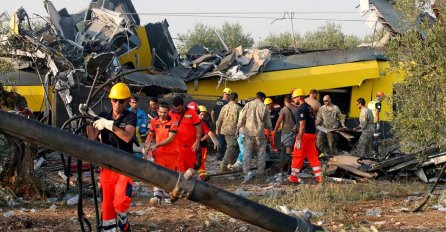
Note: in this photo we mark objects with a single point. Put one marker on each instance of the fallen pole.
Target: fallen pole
(432, 190)
(123, 162)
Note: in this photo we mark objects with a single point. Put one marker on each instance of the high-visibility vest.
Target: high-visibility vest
(373, 105)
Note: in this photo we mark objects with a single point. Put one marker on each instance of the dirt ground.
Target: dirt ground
(190, 216)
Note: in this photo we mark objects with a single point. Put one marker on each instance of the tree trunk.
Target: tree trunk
(17, 159)
(18, 169)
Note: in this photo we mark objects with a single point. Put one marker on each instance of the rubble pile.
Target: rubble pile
(424, 164)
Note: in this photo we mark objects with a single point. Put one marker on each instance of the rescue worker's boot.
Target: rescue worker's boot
(318, 174)
(294, 177)
(123, 222)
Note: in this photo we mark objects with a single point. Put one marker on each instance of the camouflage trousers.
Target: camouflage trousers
(231, 151)
(250, 142)
(364, 147)
(326, 142)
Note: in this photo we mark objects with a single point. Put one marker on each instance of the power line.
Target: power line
(255, 17)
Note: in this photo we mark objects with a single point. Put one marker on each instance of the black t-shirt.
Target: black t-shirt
(108, 137)
(217, 107)
(274, 114)
(306, 112)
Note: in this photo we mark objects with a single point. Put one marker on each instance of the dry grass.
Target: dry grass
(331, 199)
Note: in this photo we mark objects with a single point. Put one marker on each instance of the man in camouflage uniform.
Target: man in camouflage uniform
(254, 118)
(227, 126)
(330, 117)
(366, 126)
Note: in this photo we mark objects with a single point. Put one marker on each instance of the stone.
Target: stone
(232, 220)
(53, 207)
(139, 213)
(52, 199)
(33, 210)
(380, 223)
(242, 193)
(73, 201)
(9, 214)
(436, 207)
(411, 198)
(243, 228)
(376, 212)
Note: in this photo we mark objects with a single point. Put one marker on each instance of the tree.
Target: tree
(281, 40)
(328, 36)
(420, 56)
(232, 34)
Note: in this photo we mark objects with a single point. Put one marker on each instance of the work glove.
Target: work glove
(297, 144)
(103, 123)
(83, 109)
(216, 144)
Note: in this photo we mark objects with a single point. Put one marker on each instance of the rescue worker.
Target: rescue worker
(153, 109)
(274, 115)
(141, 119)
(164, 150)
(205, 118)
(364, 147)
(117, 128)
(330, 117)
(287, 121)
(202, 153)
(254, 117)
(214, 116)
(305, 145)
(227, 125)
(312, 100)
(188, 135)
(375, 106)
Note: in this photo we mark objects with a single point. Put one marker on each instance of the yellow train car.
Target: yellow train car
(360, 76)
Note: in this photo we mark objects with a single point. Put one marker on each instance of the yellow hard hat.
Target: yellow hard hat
(267, 101)
(119, 91)
(298, 93)
(227, 91)
(202, 108)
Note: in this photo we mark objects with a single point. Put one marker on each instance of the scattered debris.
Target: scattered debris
(376, 212)
(341, 180)
(9, 214)
(73, 201)
(38, 163)
(379, 223)
(243, 228)
(242, 193)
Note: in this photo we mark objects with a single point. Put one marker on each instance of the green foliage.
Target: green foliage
(328, 36)
(232, 34)
(420, 118)
(282, 40)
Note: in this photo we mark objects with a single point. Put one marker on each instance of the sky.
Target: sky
(256, 17)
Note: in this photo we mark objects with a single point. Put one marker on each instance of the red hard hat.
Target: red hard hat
(193, 106)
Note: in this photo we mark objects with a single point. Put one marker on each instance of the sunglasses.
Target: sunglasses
(121, 101)
(325, 100)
